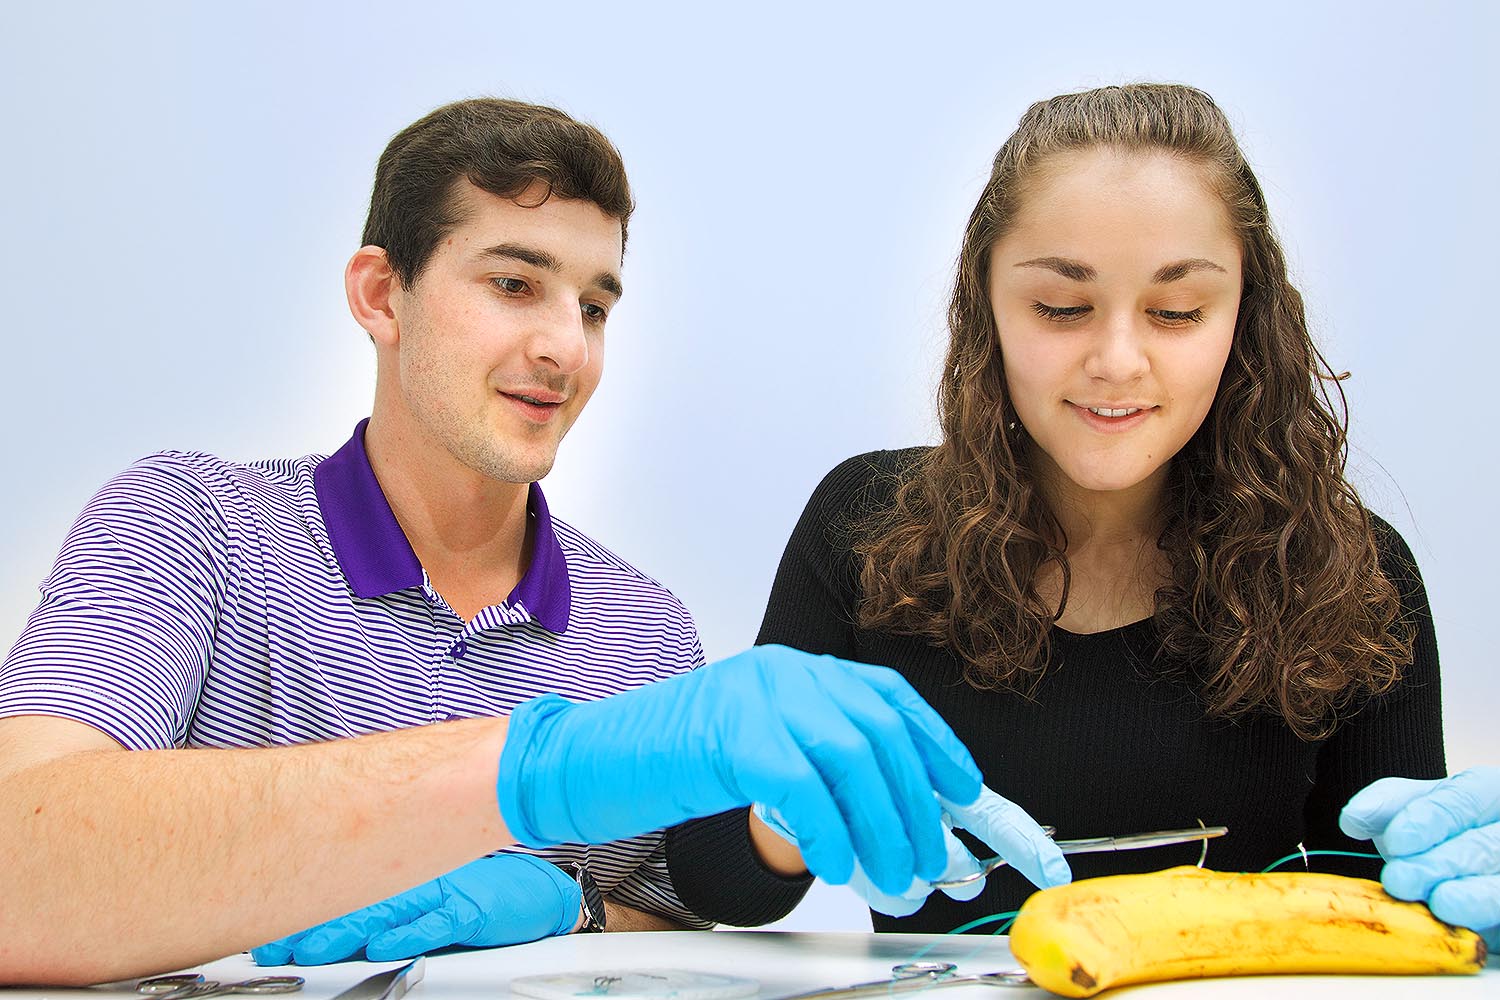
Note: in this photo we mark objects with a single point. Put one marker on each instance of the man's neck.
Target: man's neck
(471, 533)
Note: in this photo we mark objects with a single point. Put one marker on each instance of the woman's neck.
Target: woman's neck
(1114, 565)
(1101, 520)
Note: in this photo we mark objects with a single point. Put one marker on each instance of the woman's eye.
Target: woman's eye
(1059, 312)
(1176, 317)
(510, 286)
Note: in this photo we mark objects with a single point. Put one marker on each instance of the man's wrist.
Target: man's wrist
(591, 913)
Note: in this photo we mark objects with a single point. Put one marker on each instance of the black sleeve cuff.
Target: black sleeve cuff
(718, 876)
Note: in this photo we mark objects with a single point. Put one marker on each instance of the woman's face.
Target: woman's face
(1115, 296)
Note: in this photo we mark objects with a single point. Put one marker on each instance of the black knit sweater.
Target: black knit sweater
(1113, 741)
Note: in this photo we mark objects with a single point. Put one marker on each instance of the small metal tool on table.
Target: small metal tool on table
(388, 984)
(911, 976)
(193, 985)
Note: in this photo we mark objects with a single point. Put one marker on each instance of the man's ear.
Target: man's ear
(372, 287)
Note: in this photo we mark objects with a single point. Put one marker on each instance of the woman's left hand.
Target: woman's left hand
(1441, 843)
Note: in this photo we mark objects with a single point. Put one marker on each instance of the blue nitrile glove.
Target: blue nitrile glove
(996, 821)
(1441, 842)
(848, 753)
(504, 899)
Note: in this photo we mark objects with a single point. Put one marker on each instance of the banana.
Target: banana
(1184, 923)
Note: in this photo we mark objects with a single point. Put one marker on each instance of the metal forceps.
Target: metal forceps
(910, 976)
(181, 987)
(1095, 845)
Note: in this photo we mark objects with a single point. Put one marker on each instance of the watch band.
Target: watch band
(593, 900)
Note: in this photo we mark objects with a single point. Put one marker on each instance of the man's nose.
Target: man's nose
(559, 339)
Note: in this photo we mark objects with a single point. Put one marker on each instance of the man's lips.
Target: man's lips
(539, 408)
(537, 397)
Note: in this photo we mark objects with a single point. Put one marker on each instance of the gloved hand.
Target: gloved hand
(848, 753)
(998, 822)
(1441, 842)
(504, 899)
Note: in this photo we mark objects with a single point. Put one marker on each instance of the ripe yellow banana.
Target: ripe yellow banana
(1185, 923)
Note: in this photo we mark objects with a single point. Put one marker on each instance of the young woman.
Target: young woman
(1132, 576)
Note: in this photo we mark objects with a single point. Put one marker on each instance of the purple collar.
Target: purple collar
(376, 558)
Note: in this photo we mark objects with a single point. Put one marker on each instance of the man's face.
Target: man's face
(1115, 297)
(501, 337)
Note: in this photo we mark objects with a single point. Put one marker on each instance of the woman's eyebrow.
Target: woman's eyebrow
(1183, 268)
(1077, 270)
(1074, 270)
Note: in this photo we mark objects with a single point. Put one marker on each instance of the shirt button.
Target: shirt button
(459, 649)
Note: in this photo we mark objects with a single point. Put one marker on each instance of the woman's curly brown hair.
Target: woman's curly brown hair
(1275, 578)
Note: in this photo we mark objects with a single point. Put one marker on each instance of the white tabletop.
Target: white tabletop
(784, 963)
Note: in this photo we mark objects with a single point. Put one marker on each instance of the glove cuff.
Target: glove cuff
(530, 773)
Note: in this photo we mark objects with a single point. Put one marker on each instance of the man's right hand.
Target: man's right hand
(849, 754)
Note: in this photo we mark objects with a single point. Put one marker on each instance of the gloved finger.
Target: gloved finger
(1465, 801)
(1014, 836)
(786, 781)
(324, 944)
(429, 932)
(1472, 902)
(960, 864)
(845, 759)
(1415, 876)
(342, 937)
(883, 902)
(278, 952)
(897, 758)
(950, 767)
(1372, 808)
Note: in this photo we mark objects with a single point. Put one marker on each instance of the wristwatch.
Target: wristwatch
(593, 902)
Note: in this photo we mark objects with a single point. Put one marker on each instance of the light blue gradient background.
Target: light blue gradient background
(182, 184)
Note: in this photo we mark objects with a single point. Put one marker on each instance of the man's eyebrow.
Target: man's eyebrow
(536, 257)
(1183, 268)
(610, 283)
(1071, 269)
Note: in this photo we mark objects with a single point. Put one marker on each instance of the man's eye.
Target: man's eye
(594, 313)
(1059, 312)
(510, 286)
(1176, 317)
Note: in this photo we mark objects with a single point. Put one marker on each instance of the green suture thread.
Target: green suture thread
(1003, 919)
(1308, 854)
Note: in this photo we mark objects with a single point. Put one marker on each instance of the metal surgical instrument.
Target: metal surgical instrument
(183, 987)
(1095, 845)
(910, 976)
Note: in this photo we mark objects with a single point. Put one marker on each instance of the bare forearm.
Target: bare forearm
(123, 863)
(619, 917)
(776, 854)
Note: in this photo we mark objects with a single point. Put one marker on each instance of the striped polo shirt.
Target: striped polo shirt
(198, 602)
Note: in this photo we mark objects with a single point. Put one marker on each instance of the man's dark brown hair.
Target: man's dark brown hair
(500, 146)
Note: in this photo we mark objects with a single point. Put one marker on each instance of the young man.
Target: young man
(416, 575)
(335, 674)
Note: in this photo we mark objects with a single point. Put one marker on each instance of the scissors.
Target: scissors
(1094, 845)
(192, 984)
(915, 976)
